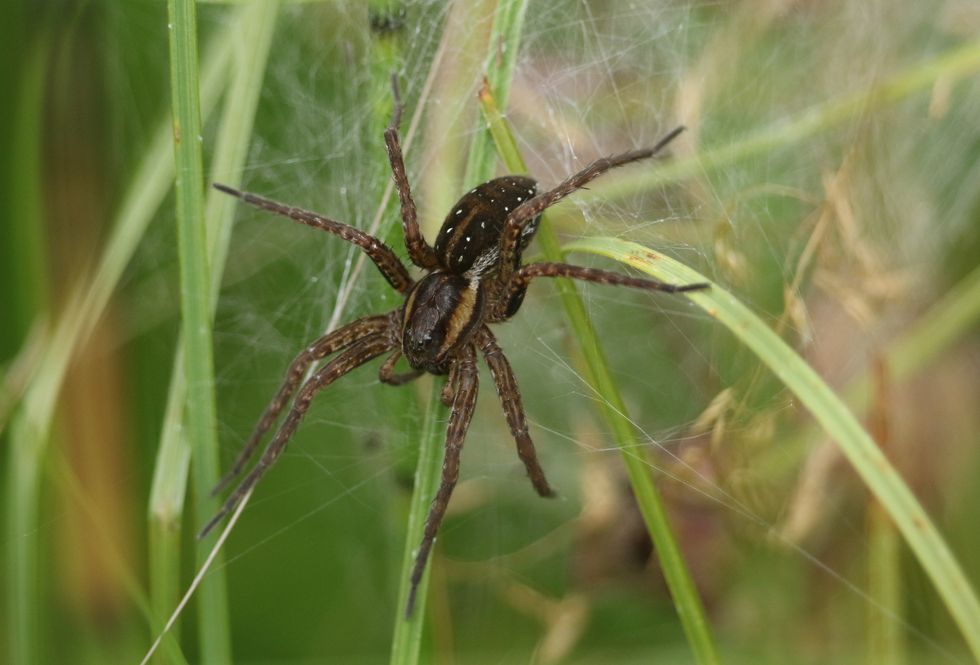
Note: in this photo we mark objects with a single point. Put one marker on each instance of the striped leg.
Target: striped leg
(464, 403)
(355, 356)
(510, 399)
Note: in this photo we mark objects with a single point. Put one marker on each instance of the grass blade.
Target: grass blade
(614, 412)
(31, 423)
(27, 263)
(195, 299)
(884, 562)
(498, 67)
(250, 41)
(407, 638)
(837, 421)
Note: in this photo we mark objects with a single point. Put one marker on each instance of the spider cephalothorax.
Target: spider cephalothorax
(474, 278)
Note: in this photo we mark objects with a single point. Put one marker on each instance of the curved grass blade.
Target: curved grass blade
(614, 412)
(836, 419)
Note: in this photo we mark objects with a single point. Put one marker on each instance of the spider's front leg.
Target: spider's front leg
(419, 251)
(516, 221)
(382, 255)
(464, 402)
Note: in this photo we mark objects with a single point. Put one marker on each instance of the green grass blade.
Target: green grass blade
(614, 412)
(498, 67)
(250, 42)
(251, 48)
(837, 421)
(25, 261)
(31, 424)
(407, 638)
(885, 644)
(195, 299)
(884, 566)
(25, 242)
(387, 55)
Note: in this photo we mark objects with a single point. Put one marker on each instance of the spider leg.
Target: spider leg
(464, 402)
(387, 372)
(330, 343)
(355, 356)
(510, 237)
(449, 387)
(525, 274)
(382, 255)
(419, 251)
(510, 398)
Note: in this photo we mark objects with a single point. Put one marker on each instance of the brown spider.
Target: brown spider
(474, 277)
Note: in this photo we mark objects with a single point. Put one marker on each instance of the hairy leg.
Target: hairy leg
(330, 343)
(510, 399)
(419, 251)
(520, 280)
(523, 214)
(464, 403)
(355, 356)
(382, 255)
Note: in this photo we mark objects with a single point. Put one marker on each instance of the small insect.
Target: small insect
(474, 277)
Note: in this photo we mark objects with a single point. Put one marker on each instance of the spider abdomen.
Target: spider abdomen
(441, 312)
(469, 240)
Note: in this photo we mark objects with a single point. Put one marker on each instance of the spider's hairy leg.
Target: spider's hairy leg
(330, 343)
(510, 237)
(464, 403)
(448, 391)
(526, 273)
(419, 251)
(355, 356)
(387, 372)
(382, 255)
(510, 399)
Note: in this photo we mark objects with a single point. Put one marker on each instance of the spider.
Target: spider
(474, 277)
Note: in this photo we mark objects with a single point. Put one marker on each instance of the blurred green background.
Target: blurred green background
(832, 183)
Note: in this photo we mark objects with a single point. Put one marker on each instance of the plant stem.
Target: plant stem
(407, 639)
(613, 411)
(195, 297)
(255, 24)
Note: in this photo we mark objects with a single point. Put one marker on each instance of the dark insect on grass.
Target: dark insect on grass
(474, 277)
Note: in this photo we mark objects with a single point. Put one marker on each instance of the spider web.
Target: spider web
(591, 79)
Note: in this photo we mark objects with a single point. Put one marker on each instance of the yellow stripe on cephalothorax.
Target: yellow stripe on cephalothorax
(462, 317)
(409, 305)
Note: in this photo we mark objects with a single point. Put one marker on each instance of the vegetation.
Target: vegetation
(801, 441)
